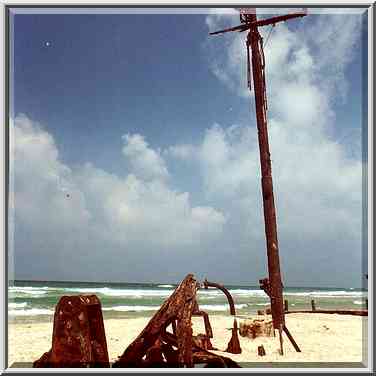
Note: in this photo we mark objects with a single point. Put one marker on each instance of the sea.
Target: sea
(36, 300)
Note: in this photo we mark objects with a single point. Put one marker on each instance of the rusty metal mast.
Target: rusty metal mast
(272, 286)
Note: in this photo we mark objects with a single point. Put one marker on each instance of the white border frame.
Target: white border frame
(209, 4)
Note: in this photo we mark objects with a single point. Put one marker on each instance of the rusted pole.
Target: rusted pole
(313, 305)
(272, 286)
(286, 305)
(254, 40)
(289, 336)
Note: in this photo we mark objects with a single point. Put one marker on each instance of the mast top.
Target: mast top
(249, 21)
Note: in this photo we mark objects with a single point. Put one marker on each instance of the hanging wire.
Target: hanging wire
(270, 32)
(249, 82)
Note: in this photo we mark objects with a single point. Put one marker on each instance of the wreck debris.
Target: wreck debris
(78, 338)
(154, 355)
(261, 350)
(208, 284)
(263, 312)
(256, 328)
(234, 344)
(202, 340)
(155, 346)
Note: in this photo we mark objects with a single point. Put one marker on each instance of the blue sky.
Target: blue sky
(144, 121)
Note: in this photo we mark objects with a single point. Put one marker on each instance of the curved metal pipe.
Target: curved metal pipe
(208, 284)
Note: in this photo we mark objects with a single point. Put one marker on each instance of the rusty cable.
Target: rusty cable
(249, 82)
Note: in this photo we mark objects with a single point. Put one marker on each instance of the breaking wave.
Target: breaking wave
(358, 302)
(131, 308)
(220, 307)
(17, 305)
(165, 286)
(328, 294)
(29, 290)
(30, 312)
(134, 293)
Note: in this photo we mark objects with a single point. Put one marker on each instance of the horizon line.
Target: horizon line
(176, 283)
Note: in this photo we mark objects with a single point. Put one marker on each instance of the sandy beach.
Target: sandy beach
(321, 337)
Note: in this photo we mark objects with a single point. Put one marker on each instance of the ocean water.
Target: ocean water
(31, 300)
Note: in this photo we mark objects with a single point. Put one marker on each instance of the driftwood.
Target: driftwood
(179, 347)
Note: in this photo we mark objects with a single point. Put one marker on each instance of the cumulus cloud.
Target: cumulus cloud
(145, 162)
(64, 214)
(181, 151)
(313, 178)
(134, 211)
(318, 186)
(288, 53)
(41, 182)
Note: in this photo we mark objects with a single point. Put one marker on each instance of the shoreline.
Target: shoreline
(322, 338)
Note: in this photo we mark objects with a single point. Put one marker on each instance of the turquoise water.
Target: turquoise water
(30, 300)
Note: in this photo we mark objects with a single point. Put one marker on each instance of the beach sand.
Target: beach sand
(321, 337)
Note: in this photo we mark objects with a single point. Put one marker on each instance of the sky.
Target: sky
(134, 153)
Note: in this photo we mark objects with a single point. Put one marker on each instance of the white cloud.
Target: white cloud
(302, 70)
(182, 151)
(226, 161)
(41, 182)
(63, 214)
(318, 188)
(332, 39)
(145, 162)
(219, 15)
(148, 212)
(335, 39)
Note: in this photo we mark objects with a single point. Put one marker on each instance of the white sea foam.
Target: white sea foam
(28, 290)
(134, 293)
(328, 294)
(30, 312)
(131, 308)
(210, 292)
(234, 292)
(165, 286)
(358, 302)
(17, 305)
(220, 307)
(245, 292)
